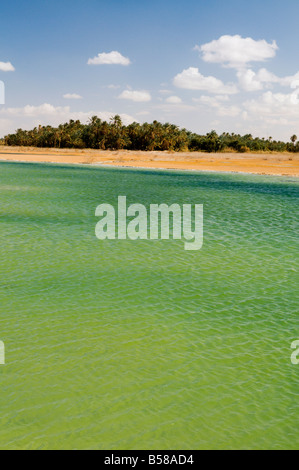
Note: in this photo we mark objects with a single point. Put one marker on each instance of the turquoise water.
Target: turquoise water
(142, 345)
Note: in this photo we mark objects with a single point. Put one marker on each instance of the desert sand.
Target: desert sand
(257, 163)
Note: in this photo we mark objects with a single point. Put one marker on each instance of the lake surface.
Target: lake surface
(141, 344)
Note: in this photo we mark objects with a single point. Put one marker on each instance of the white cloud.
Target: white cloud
(111, 58)
(237, 52)
(192, 79)
(72, 96)
(173, 100)
(137, 96)
(6, 67)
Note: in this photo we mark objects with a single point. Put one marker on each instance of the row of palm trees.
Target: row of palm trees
(98, 134)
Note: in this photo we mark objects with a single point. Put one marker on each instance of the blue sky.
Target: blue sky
(45, 47)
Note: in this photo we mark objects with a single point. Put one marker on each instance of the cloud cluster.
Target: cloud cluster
(219, 103)
(274, 100)
(32, 116)
(110, 58)
(272, 107)
(45, 109)
(255, 81)
(237, 53)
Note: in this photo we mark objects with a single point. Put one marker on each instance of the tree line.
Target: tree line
(114, 135)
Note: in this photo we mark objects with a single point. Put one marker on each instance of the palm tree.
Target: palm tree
(294, 139)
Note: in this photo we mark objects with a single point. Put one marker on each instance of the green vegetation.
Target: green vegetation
(113, 135)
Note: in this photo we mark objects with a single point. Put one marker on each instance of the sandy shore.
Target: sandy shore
(266, 164)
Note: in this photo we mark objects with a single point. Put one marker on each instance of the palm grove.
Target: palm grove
(98, 134)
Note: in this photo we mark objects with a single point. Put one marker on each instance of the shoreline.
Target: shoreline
(127, 167)
(259, 164)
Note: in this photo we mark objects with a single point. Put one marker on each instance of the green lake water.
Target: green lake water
(141, 344)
